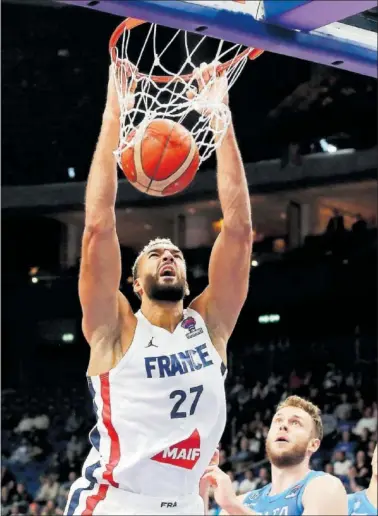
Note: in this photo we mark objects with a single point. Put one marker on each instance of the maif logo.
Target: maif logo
(184, 454)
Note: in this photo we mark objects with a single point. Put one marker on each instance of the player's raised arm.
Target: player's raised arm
(100, 270)
(230, 259)
(224, 494)
(325, 495)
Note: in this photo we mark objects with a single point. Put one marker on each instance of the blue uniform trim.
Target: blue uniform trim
(75, 499)
(94, 434)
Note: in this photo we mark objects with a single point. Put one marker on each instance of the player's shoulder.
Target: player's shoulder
(323, 482)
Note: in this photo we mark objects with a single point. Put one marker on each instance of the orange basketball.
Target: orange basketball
(164, 159)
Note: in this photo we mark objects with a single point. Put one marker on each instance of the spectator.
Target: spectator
(346, 445)
(360, 226)
(17, 509)
(295, 381)
(343, 410)
(264, 478)
(341, 464)
(33, 509)
(71, 479)
(362, 465)
(363, 441)
(329, 422)
(41, 422)
(49, 489)
(249, 482)
(21, 495)
(368, 421)
(5, 497)
(50, 509)
(25, 426)
(244, 454)
(73, 423)
(329, 468)
(23, 454)
(74, 449)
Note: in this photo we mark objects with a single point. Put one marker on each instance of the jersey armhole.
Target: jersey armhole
(214, 351)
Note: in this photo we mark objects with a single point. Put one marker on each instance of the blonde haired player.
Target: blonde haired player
(364, 503)
(294, 436)
(157, 376)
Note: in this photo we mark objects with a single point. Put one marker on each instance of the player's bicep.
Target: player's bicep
(100, 275)
(333, 499)
(229, 270)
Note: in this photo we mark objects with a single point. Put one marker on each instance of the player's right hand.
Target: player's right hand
(121, 85)
(223, 490)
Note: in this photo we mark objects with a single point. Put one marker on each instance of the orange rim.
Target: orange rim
(132, 23)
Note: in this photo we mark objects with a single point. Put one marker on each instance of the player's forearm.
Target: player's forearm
(232, 185)
(102, 181)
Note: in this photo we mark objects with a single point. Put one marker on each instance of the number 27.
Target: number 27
(175, 414)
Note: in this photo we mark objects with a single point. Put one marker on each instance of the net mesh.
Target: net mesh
(204, 113)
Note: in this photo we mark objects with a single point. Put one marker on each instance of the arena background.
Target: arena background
(308, 137)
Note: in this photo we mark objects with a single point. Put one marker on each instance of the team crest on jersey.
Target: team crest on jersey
(294, 491)
(189, 324)
(356, 506)
(253, 496)
(184, 454)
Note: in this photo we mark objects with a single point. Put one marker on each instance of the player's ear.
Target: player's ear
(137, 287)
(313, 445)
(187, 291)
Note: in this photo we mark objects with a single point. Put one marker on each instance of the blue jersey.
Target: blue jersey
(289, 502)
(358, 503)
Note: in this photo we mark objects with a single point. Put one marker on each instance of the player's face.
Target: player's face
(162, 274)
(374, 462)
(290, 438)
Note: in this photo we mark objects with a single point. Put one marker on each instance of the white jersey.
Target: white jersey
(160, 412)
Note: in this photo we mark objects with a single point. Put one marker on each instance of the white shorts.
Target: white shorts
(102, 499)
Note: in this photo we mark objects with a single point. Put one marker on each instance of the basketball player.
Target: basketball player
(156, 376)
(295, 434)
(364, 502)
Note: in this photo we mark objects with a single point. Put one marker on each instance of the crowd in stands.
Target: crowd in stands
(45, 433)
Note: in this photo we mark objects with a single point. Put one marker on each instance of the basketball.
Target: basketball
(164, 159)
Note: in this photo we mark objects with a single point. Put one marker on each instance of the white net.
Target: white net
(157, 52)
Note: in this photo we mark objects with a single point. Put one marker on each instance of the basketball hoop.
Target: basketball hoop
(161, 92)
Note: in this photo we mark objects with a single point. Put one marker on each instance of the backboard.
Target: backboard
(306, 29)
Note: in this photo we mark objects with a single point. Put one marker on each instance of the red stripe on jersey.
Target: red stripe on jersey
(93, 500)
(115, 449)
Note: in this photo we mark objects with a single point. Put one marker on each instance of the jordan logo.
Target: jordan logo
(151, 344)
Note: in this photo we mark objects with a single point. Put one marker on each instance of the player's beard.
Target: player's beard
(286, 458)
(164, 292)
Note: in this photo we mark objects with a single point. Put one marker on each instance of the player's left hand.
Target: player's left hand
(223, 490)
(212, 88)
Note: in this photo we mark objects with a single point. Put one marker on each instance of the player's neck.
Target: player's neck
(372, 491)
(164, 315)
(284, 478)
